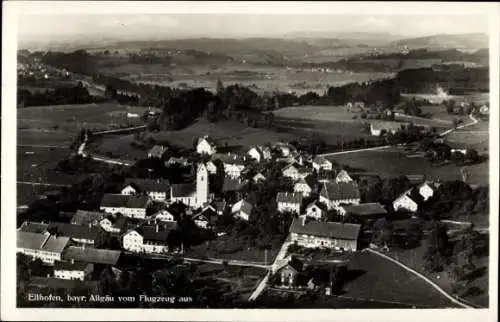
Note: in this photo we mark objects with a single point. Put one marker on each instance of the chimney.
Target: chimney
(157, 227)
(72, 261)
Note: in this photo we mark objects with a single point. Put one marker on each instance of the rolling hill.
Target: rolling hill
(464, 41)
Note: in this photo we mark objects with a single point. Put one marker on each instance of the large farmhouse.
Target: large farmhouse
(333, 194)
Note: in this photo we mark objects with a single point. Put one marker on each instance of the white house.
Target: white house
(73, 270)
(321, 163)
(316, 210)
(290, 171)
(289, 202)
(426, 190)
(381, 127)
(234, 164)
(147, 239)
(283, 149)
(206, 146)
(302, 187)
(133, 206)
(405, 203)
(484, 110)
(242, 210)
(337, 193)
(164, 215)
(192, 195)
(44, 246)
(113, 224)
(255, 154)
(259, 177)
(265, 152)
(129, 190)
(157, 151)
(156, 189)
(343, 176)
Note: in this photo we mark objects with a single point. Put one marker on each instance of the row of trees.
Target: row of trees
(62, 95)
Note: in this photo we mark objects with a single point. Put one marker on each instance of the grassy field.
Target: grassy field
(237, 282)
(413, 258)
(475, 136)
(378, 279)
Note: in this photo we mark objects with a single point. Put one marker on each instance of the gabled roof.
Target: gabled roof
(320, 160)
(405, 194)
(242, 206)
(157, 150)
(340, 190)
(84, 217)
(302, 181)
(326, 229)
(289, 197)
(230, 158)
(289, 166)
(365, 209)
(207, 213)
(33, 227)
(183, 190)
(149, 185)
(92, 255)
(126, 201)
(77, 231)
(318, 204)
(149, 233)
(117, 221)
(209, 140)
(70, 266)
(44, 242)
(343, 176)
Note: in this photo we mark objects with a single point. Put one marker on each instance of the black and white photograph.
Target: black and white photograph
(313, 156)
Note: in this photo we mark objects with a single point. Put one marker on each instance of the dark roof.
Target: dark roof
(33, 227)
(126, 201)
(230, 158)
(70, 266)
(289, 197)
(207, 213)
(117, 221)
(326, 229)
(231, 184)
(365, 209)
(183, 190)
(92, 255)
(219, 205)
(77, 231)
(210, 140)
(58, 283)
(320, 205)
(44, 242)
(320, 160)
(149, 185)
(83, 217)
(149, 233)
(340, 191)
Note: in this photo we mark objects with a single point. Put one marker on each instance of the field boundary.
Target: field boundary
(411, 270)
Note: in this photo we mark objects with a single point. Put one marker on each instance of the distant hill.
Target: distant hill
(464, 41)
(346, 38)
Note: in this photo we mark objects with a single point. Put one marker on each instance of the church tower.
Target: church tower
(201, 185)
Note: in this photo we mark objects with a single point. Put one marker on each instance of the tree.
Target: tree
(382, 232)
(220, 87)
(413, 233)
(437, 247)
(472, 156)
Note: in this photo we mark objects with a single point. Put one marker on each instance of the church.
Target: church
(192, 195)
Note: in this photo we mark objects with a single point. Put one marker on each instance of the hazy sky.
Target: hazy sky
(38, 24)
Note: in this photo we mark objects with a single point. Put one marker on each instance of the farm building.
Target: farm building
(316, 210)
(81, 234)
(259, 177)
(73, 270)
(164, 215)
(234, 164)
(379, 128)
(302, 187)
(333, 194)
(148, 239)
(156, 189)
(289, 202)
(320, 163)
(242, 210)
(157, 151)
(343, 176)
(92, 255)
(325, 234)
(289, 272)
(133, 206)
(364, 210)
(113, 223)
(44, 246)
(206, 218)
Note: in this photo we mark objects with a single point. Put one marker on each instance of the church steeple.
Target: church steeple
(201, 184)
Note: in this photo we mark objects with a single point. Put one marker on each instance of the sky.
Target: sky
(50, 25)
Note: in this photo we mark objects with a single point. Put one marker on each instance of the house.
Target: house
(92, 255)
(426, 190)
(206, 145)
(289, 272)
(320, 163)
(133, 206)
(255, 154)
(234, 164)
(206, 218)
(333, 194)
(283, 149)
(164, 215)
(291, 171)
(302, 187)
(265, 152)
(343, 176)
(316, 210)
(385, 127)
(242, 210)
(182, 161)
(33, 227)
(211, 168)
(148, 239)
(219, 207)
(157, 151)
(364, 210)
(81, 234)
(114, 223)
(484, 110)
(334, 235)
(259, 177)
(405, 203)
(73, 270)
(289, 202)
(156, 189)
(233, 184)
(84, 217)
(192, 195)
(44, 246)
